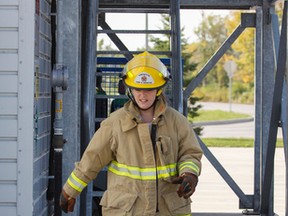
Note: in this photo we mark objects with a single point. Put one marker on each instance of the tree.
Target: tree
(163, 44)
(210, 34)
(243, 54)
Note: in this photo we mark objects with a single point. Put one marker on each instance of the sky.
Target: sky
(189, 19)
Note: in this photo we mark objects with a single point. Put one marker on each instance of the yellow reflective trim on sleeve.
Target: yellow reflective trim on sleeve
(78, 180)
(76, 183)
(74, 186)
(167, 171)
(142, 173)
(190, 165)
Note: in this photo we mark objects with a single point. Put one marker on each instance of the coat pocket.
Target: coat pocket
(177, 205)
(113, 199)
(167, 157)
(165, 149)
(164, 145)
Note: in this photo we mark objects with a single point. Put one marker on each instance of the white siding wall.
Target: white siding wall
(8, 105)
(25, 121)
(16, 106)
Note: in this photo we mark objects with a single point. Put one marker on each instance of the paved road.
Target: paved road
(213, 195)
(244, 129)
(239, 108)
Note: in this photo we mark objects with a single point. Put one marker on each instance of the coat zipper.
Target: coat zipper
(153, 139)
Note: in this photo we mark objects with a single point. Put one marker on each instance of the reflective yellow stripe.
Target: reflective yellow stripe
(189, 165)
(76, 183)
(167, 171)
(142, 173)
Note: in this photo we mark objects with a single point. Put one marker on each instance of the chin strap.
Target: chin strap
(159, 92)
(131, 97)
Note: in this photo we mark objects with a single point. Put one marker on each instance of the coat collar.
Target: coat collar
(133, 116)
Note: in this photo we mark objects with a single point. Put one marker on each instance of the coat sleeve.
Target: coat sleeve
(190, 152)
(96, 156)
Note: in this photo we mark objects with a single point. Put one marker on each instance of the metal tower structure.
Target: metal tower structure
(270, 88)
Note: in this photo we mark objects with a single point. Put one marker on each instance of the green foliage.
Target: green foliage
(163, 44)
(188, 66)
(243, 50)
(216, 115)
(211, 33)
(212, 93)
(101, 46)
(193, 112)
(242, 92)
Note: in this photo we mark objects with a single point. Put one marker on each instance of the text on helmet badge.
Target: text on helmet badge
(144, 78)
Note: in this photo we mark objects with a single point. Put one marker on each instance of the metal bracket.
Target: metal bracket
(248, 20)
(247, 205)
(60, 77)
(248, 212)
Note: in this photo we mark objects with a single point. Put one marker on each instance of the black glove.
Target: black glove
(188, 183)
(66, 203)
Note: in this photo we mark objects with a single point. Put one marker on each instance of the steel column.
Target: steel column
(58, 82)
(284, 122)
(258, 108)
(71, 100)
(268, 73)
(88, 90)
(176, 63)
(267, 189)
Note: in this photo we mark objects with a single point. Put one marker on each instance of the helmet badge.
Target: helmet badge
(144, 78)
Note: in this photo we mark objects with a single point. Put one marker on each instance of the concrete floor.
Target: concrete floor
(216, 214)
(213, 197)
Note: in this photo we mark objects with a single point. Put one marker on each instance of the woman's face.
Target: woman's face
(144, 98)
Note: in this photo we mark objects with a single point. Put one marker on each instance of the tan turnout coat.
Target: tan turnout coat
(139, 177)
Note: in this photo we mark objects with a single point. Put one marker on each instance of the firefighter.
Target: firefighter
(150, 150)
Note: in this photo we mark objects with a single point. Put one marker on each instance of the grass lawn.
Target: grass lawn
(232, 142)
(214, 115)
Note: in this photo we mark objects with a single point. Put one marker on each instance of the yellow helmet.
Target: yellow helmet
(145, 71)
